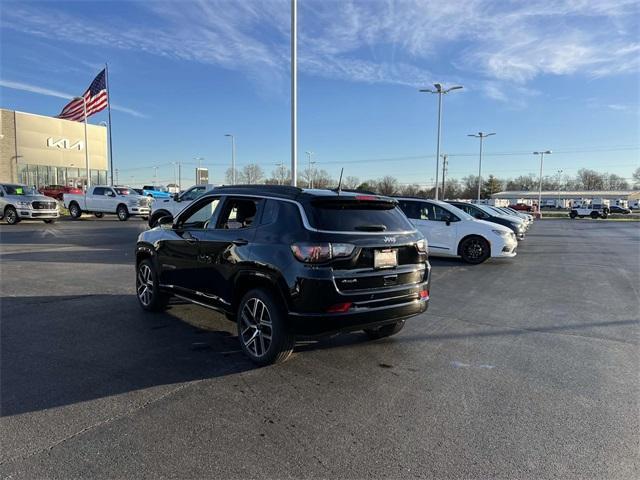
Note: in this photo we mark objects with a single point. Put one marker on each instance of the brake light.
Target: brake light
(339, 308)
(321, 252)
(366, 198)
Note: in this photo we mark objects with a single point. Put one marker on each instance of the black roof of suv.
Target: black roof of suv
(282, 261)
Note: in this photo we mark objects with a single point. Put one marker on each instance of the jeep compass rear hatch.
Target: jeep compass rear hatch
(387, 251)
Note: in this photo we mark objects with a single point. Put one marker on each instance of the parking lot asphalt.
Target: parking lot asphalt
(521, 368)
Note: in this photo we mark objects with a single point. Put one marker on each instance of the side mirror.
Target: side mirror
(447, 220)
(166, 220)
(176, 197)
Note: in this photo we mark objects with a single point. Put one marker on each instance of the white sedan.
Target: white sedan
(451, 232)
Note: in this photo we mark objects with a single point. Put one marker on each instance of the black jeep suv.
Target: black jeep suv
(282, 261)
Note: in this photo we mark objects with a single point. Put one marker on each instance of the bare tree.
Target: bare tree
(590, 179)
(280, 175)
(228, 176)
(252, 174)
(388, 185)
(636, 178)
(350, 182)
(616, 182)
(322, 179)
(412, 190)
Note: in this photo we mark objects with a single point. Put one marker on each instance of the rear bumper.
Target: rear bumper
(326, 323)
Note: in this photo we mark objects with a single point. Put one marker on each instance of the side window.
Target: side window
(270, 212)
(410, 209)
(192, 194)
(98, 191)
(442, 215)
(202, 215)
(238, 213)
(426, 211)
(109, 192)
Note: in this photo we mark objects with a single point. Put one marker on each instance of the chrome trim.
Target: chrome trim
(205, 305)
(360, 310)
(305, 220)
(195, 292)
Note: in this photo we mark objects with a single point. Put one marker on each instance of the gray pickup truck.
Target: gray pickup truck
(19, 202)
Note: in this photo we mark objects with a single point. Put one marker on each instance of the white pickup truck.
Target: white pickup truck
(102, 199)
(169, 207)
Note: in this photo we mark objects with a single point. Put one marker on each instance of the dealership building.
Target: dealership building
(38, 150)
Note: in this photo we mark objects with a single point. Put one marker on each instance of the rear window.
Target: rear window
(356, 216)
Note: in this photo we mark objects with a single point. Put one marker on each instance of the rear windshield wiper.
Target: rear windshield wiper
(370, 228)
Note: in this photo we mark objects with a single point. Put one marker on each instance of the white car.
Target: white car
(103, 199)
(170, 207)
(451, 232)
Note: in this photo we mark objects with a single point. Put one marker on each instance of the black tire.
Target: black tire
(74, 210)
(385, 330)
(604, 215)
(148, 292)
(594, 215)
(99, 214)
(123, 213)
(50, 220)
(262, 331)
(573, 215)
(11, 215)
(474, 250)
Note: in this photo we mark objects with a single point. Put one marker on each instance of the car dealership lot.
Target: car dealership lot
(523, 367)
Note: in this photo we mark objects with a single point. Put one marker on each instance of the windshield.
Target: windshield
(488, 209)
(18, 190)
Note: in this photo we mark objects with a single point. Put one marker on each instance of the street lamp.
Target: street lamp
(86, 142)
(481, 136)
(233, 157)
(542, 154)
(559, 173)
(309, 169)
(440, 90)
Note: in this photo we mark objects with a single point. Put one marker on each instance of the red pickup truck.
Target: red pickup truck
(522, 207)
(56, 191)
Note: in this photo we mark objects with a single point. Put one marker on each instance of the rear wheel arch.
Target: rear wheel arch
(246, 281)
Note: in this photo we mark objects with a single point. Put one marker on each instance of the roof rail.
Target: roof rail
(260, 186)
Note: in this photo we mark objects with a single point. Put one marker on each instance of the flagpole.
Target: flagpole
(86, 141)
(106, 72)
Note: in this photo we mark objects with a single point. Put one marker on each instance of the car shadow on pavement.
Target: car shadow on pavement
(79, 348)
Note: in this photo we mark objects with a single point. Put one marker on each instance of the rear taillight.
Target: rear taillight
(424, 294)
(321, 252)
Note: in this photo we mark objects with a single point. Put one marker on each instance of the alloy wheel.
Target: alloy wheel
(144, 284)
(474, 249)
(12, 216)
(256, 328)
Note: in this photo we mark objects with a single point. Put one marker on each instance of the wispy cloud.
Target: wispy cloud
(406, 42)
(25, 87)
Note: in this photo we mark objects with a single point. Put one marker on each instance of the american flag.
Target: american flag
(95, 96)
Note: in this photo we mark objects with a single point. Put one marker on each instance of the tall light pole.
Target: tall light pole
(445, 162)
(542, 154)
(309, 168)
(233, 157)
(440, 90)
(294, 93)
(86, 142)
(559, 174)
(481, 136)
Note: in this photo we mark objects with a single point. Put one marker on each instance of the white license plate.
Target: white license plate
(385, 258)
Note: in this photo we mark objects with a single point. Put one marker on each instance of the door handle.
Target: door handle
(238, 242)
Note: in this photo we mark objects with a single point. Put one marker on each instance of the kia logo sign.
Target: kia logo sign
(64, 144)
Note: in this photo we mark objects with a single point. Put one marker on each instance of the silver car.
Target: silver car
(18, 202)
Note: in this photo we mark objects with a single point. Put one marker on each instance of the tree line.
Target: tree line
(466, 187)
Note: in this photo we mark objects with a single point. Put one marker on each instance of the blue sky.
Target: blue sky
(542, 74)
